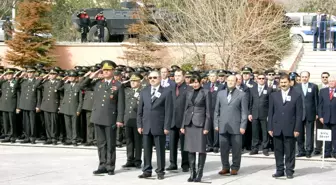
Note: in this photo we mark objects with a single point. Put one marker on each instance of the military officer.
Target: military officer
(133, 138)
(28, 104)
(107, 114)
(50, 104)
(8, 29)
(9, 88)
(71, 106)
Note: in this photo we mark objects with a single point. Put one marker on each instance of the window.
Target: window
(295, 20)
(307, 20)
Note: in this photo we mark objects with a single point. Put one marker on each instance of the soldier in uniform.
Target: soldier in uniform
(8, 105)
(84, 23)
(107, 114)
(8, 29)
(101, 22)
(133, 138)
(28, 103)
(71, 107)
(50, 104)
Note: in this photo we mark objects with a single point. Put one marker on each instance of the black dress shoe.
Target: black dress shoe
(74, 144)
(308, 155)
(119, 146)
(25, 141)
(48, 142)
(128, 165)
(88, 144)
(276, 175)
(160, 176)
(54, 142)
(171, 167)
(110, 173)
(215, 150)
(209, 149)
(67, 143)
(145, 175)
(138, 166)
(300, 155)
(13, 141)
(185, 169)
(289, 176)
(5, 141)
(265, 152)
(99, 171)
(33, 142)
(327, 156)
(254, 152)
(317, 153)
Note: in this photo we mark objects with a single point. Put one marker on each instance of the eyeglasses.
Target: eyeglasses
(153, 77)
(270, 74)
(325, 77)
(261, 78)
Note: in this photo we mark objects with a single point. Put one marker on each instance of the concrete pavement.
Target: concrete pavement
(26, 165)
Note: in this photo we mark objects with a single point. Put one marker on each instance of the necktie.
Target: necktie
(284, 96)
(106, 84)
(305, 89)
(229, 96)
(212, 87)
(260, 90)
(153, 93)
(269, 83)
(177, 90)
(331, 94)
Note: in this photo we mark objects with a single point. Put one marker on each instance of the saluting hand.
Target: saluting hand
(140, 130)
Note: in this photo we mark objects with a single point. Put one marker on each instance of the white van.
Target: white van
(301, 30)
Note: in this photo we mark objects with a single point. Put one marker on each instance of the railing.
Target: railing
(297, 59)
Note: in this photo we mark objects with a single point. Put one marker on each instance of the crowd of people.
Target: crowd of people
(109, 105)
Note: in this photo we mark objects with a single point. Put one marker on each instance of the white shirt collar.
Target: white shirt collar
(285, 92)
(108, 81)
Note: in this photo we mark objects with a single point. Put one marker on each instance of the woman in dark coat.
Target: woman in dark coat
(196, 123)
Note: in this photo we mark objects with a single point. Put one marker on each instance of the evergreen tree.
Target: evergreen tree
(32, 42)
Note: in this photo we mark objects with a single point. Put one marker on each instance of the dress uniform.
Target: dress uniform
(9, 89)
(49, 105)
(71, 108)
(133, 138)
(28, 102)
(108, 109)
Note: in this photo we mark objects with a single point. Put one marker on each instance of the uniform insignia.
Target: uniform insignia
(75, 94)
(136, 95)
(55, 90)
(114, 88)
(157, 94)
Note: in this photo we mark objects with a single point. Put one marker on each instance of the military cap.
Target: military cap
(222, 72)
(246, 70)
(293, 74)
(212, 72)
(233, 72)
(122, 66)
(136, 77)
(78, 68)
(147, 68)
(57, 68)
(85, 68)
(81, 73)
(117, 73)
(99, 66)
(108, 65)
(53, 71)
(93, 68)
(171, 74)
(9, 71)
(140, 70)
(39, 65)
(174, 67)
(188, 74)
(31, 69)
(129, 69)
(72, 73)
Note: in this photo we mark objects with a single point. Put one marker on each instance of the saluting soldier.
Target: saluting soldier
(71, 107)
(133, 138)
(8, 105)
(107, 115)
(50, 104)
(28, 103)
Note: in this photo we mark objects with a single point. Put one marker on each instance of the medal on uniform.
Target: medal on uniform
(75, 94)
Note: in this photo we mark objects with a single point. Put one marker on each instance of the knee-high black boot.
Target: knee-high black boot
(192, 164)
(201, 162)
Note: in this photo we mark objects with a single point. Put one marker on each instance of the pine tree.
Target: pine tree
(30, 44)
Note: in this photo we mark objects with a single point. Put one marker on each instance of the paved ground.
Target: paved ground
(26, 165)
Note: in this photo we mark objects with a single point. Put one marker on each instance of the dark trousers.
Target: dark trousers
(120, 135)
(51, 125)
(306, 137)
(319, 35)
(233, 141)
(106, 144)
(247, 137)
(84, 31)
(133, 145)
(101, 33)
(9, 122)
(175, 137)
(40, 125)
(29, 124)
(212, 137)
(71, 127)
(159, 141)
(61, 131)
(330, 146)
(284, 149)
(90, 129)
(318, 145)
(259, 127)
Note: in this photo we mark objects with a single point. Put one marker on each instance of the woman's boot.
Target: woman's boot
(192, 164)
(201, 162)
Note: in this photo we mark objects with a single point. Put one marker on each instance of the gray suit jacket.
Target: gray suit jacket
(230, 116)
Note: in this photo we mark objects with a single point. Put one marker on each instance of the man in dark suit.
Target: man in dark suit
(284, 124)
(319, 29)
(214, 87)
(133, 137)
(258, 113)
(310, 95)
(230, 119)
(179, 92)
(327, 115)
(107, 114)
(155, 111)
(270, 82)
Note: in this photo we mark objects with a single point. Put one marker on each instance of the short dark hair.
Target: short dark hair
(195, 77)
(180, 70)
(285, 76)
(325, 73)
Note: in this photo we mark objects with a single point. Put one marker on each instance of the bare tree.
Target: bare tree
(238, 32)
(6, 6)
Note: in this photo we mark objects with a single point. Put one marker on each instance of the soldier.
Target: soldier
(71, 107)
(133, 138)
(84, 23)
(29, 101)
(8, 105)
(40, 125)
(107, 115)
(50, 104)
(8, 29)
(87, 107)
(101, 22)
